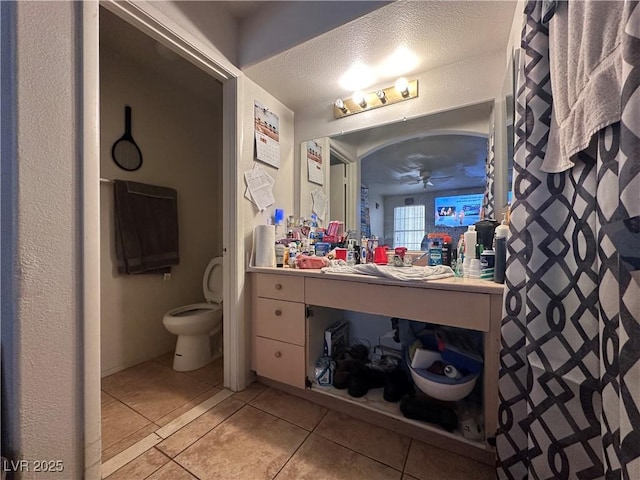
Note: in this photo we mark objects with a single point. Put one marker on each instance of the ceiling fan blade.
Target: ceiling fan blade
(442, 177)
(428, 183)
(410, 179)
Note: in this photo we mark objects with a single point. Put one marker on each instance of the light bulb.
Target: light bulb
(381, 96)
(402, 86)
(340, 105)
(358, 98)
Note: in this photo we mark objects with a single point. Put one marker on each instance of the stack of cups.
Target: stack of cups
(470, 254)
(473, 271)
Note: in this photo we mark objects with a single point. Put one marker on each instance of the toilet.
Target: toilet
(199, 325)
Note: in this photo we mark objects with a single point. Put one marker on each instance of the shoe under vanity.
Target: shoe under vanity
(292, 308)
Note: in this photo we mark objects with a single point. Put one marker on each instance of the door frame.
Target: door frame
(234, 345)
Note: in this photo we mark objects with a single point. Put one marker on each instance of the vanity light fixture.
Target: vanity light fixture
(361, 102)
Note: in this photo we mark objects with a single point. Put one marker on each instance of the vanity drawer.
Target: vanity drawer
(280, 361)
(283, 287)
(280, 320)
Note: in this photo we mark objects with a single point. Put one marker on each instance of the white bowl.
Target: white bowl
(441, 387)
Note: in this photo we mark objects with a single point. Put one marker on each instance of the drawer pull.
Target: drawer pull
(278, 354)
(278, 286)
(278, 312)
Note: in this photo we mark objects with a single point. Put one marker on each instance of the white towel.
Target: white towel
(585, 56)
(395, 273)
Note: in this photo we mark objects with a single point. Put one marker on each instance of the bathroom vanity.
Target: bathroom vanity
(291, 309)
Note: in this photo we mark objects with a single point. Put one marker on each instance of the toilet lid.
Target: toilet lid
(212, 281)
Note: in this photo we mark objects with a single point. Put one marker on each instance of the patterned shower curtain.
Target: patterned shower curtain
(488, 199)
(570, 359)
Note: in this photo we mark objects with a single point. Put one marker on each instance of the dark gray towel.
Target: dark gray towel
(146, 224)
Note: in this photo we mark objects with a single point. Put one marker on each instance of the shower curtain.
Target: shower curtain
(570, 358)
(488, 200)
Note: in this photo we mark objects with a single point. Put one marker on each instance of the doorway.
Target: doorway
(168, 166)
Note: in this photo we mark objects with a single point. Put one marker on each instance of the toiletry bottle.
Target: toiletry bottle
(280, 249)
(487, 264)
(446, 251)
(460, 257)
(470, 241)
(351, 253)
(363, 249)
(435, 254)
(293, 251)
(502, 232)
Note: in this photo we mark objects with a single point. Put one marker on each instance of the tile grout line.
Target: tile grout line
(134, 451)
(131, 453)
(190, 415)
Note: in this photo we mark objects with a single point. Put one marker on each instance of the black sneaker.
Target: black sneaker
(397, 385)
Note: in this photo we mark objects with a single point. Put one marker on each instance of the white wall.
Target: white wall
(42, 368)
(248, 215)
(180, 135)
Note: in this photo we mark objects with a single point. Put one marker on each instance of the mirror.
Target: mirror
(432, 161)
(508, 92)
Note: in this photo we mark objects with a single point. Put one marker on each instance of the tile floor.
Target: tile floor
(260, 433)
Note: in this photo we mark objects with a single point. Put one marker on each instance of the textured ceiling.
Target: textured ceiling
(438, 32)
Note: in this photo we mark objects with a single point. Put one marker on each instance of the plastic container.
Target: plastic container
(322, 248)
(447, 251)
(470, 241)
(442, 387)
(487, 264)
(435, 254)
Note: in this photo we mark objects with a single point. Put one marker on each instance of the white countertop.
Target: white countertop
(451, 283)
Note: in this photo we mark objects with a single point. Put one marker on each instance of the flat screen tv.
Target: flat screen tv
(458, 210)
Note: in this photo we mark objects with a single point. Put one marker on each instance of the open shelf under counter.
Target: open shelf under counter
(464, 303)
(375, 402)
(371, 409)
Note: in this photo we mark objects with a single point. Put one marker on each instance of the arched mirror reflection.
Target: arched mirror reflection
(413, 177)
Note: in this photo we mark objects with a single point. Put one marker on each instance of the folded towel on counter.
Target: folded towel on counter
(396, 273)
(146, 227)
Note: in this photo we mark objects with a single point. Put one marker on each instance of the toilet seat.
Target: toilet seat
(212, 281)
(194, 308)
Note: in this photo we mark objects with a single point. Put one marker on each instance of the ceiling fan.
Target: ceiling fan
(424, 177)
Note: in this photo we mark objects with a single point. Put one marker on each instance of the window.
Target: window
(408, 226)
